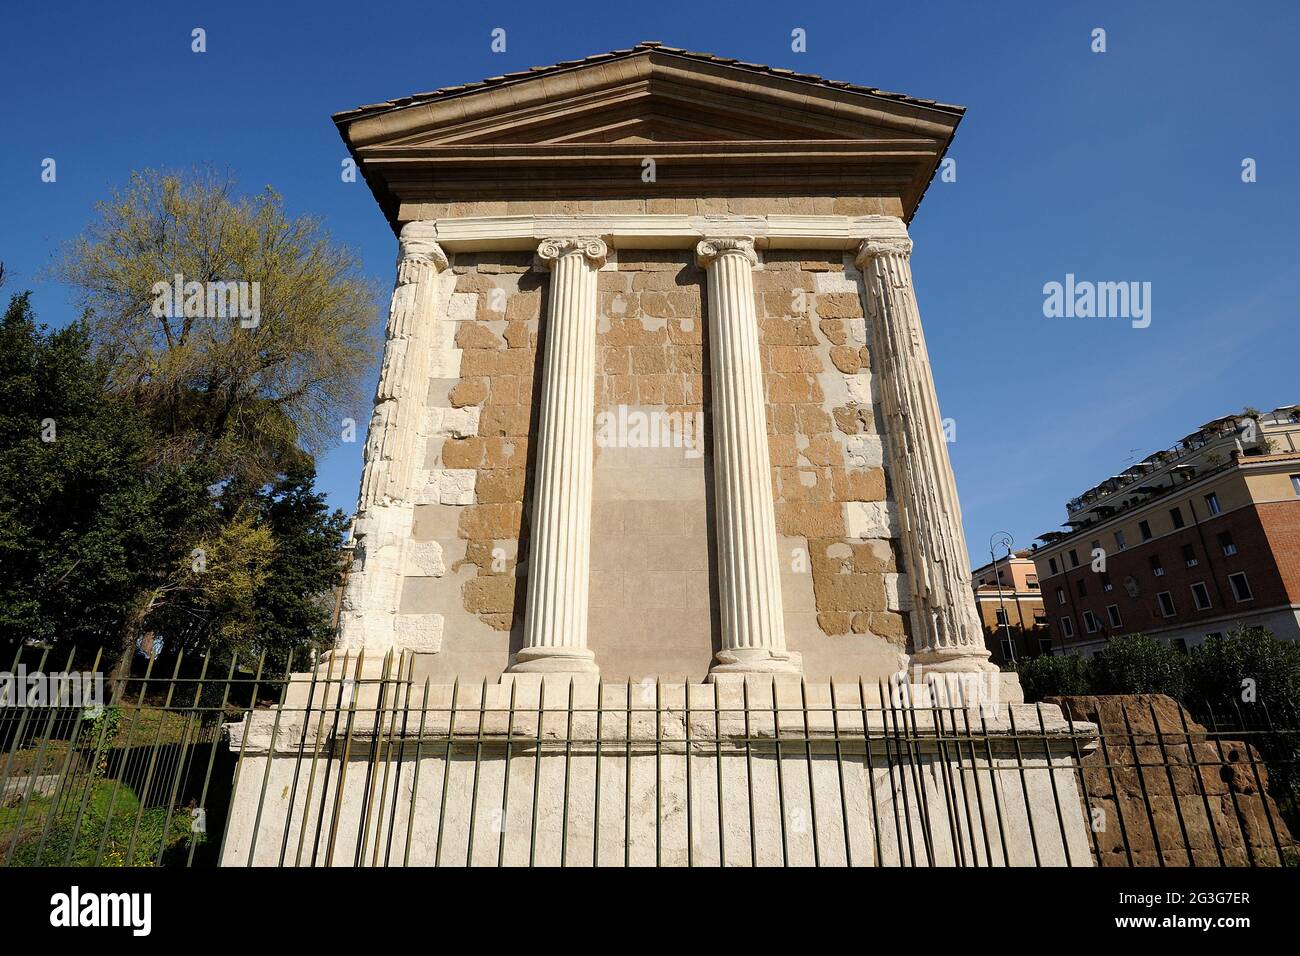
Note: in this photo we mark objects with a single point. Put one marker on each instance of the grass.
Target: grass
(108, 818)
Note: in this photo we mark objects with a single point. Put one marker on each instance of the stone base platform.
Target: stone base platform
(758, 772)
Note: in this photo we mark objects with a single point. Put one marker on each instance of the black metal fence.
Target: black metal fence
(364, 763)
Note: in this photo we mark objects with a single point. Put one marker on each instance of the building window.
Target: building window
(1060, 595)
(1240, 587)
(1081, 588)
(1176, 516)
(1201, 596)
(1145, 528)
(1051, 565)
(1226, 543)
(1189, 555)
(1112, 612)
(1120, 541)
(1067, 627)
(1074, 558)
(1212, 503)
(1166, 602)
(1157, 568)
(1040, 618)
(1006, 650)
(1045, 646)
(1002, 618)
(1031, 582)
(1179, 644)
(1105, 582)
(1295, 484)
(1090, 622)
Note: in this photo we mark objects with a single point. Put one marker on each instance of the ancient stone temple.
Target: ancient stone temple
(656, 454)
(655, 400)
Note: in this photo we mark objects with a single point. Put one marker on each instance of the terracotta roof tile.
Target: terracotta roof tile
(643, 47)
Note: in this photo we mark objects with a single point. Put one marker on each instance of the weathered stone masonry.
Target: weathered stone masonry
(651, 545)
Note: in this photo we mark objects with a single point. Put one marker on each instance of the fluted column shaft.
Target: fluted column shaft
(947, 634)
(753, 629)
(559, 549)
(382, 526)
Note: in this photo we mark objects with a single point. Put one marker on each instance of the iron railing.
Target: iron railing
(367, 763)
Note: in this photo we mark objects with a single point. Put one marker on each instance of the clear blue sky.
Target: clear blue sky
(1117, 166)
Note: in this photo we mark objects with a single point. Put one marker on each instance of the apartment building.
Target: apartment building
(1011, 608)
(1190, 541)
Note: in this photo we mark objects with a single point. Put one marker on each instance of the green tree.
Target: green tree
(264, 580)
(102, 544)
(249, 401)
(84, 518)
(249, 396)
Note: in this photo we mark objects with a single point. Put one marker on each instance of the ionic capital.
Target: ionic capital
(871, 248)
(590, 248)
(417, 251)
(707, 250)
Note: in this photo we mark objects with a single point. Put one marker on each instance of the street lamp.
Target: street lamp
(1003, 538)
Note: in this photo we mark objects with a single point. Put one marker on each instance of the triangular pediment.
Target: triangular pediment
(557, 129)
(649, 110)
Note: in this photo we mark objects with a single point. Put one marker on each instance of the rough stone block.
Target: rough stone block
(898, 593)
(470, 391)
(834, 282)
(859, 387)
(454, 422)
(424, 558)
(871, 519)
(462, 306)
(445, 363)
(419, 632)
(864, 451)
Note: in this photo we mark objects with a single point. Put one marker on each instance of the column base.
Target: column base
(741, 662)
(554, 660)
(953, 661)
(966, 676)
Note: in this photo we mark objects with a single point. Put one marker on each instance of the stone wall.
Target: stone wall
(1206, 796)
(479, 460)
(653, 594)
(842, 592)
(654, 598)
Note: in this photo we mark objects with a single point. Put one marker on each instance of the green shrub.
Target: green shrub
(1053, 675)
(1226, 672)
(1138, 664)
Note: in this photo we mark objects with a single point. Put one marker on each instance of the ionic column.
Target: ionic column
(559, 549)
(753, 631)
(385, 508)
(947, 634)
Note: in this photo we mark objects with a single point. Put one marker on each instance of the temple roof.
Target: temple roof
(536, 71)
(713, 125)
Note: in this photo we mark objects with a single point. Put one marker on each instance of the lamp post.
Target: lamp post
(1003, 538)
